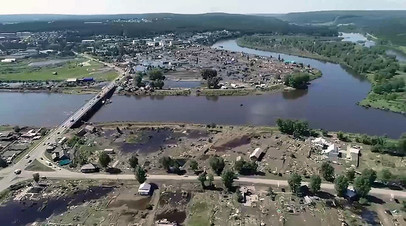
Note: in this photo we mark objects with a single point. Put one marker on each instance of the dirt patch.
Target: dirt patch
(233, 143)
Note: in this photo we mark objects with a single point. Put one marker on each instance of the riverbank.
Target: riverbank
(394, 101)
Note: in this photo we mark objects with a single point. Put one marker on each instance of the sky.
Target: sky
(190, 6)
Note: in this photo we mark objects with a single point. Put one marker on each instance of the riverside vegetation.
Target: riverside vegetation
(385, 73)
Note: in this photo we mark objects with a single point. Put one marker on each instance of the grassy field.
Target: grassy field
(71, 68)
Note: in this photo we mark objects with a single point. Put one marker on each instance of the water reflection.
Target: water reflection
(295, 94)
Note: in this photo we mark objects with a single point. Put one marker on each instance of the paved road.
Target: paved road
(38, 151)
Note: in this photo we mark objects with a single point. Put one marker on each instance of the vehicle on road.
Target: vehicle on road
(27, 156)
(17, 171)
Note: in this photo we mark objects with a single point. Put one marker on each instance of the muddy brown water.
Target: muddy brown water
(330, 103)
(23, 213)
(173, 216)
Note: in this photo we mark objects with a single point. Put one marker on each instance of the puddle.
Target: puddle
(173, 216)
(246, 139)
(152, 140)
(147, 141)
(370, 217)
(23, 213)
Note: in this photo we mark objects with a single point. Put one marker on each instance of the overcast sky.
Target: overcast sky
(189, 6)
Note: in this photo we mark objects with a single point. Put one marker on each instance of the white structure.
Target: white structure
(8, 60)
(144, 189)
(256, 154)
(63, 140)
(352, 153)
(109, 151)
(332, 151)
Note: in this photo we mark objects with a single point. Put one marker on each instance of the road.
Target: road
(38, 151)
(66, 174)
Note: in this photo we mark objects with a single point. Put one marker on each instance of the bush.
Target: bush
(293, 127)
(246, 168)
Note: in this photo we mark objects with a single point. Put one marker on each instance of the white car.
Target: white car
(17, 171)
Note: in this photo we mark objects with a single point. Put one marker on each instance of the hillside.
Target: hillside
(159, 23)
(389, 25)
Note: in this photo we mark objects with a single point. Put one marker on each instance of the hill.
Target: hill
(158, 23)
(389, 25)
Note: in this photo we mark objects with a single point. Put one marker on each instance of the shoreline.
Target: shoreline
(367, 102)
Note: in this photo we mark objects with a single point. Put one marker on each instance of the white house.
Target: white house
(8, 60)
(332, 151)
(144, 189)
(256, 154)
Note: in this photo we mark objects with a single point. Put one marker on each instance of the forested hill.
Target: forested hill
(160, 23)
(389, 25)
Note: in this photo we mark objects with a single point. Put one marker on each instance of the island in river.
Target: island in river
(385, 73)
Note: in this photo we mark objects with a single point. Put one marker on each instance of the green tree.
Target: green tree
(327, 171)
(297, 80)
(350, 174)
(104, 159)
(194, 165)
(156, 74)
(140, 174)
(202, 178)
(295, 181)
(35, 176)
(362, 186)
(341, 184)
(210, 179)
(370, 174)
(228, 179)
(133, 161)
(385, 175)
(315, 183)
(246, 168)
(166, 162)
(211, 76)
(217, 164)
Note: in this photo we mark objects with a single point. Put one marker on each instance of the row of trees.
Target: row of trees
(294, 127)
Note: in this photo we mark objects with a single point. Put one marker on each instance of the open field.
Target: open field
(40, 70)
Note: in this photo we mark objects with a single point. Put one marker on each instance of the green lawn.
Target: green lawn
(21, 71)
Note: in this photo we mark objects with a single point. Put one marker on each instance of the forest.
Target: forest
(164, 23)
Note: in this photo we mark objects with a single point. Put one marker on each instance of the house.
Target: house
(353, 154)
(71, 80)
(88, 168)
(55, 156)
(8, 60)
(256, 154)
(81, 132)
(90, 129)
(109, 151)
(50, 148)
(144, 189)
(332, 152)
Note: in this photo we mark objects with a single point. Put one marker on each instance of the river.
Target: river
(330, 103)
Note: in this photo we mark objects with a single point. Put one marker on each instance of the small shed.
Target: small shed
(256, 154)
(144, 189)
(88, 168)
(109, 151)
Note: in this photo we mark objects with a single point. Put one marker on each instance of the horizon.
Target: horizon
(219, 12)
(118, 7)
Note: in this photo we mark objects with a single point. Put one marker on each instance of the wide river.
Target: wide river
(330, 103)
